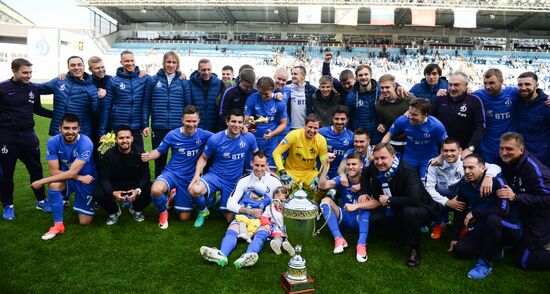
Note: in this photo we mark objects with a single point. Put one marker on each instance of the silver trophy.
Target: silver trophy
(299, 219)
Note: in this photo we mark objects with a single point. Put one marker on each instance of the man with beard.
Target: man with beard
(228, 150)
(462, 114)
(72, 169)
(166, 95)
(123, 104)
(187, 144)
(500, 114)
(74, 94)
(424, 133)
(430, 84)
(123, 178)
(339, 138)
(533, 117)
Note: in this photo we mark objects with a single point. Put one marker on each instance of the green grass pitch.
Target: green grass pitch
(141, 258)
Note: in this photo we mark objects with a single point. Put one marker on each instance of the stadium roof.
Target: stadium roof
(512, 15)
(10, 16)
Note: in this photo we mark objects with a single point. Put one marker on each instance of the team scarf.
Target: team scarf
(385, 177)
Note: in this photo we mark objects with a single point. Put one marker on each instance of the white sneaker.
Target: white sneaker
(212, 254)
(246, 260)
(276, 245)
(288, 248)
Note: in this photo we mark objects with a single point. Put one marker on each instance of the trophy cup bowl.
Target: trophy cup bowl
(299, 215)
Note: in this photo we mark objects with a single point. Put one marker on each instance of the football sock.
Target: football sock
(56, 202)
(200, 203)
(364, 216)
(258, 241)
(330, 217)
(160, 203)
(229, 242)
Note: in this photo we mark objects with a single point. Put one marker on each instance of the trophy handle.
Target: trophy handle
(317, 232)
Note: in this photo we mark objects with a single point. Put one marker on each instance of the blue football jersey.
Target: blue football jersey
(423, 141)
(82, 149)
(273, 109)
(346, 195)
(229, 154)
(185, 150)
(337, 144)
(500, 116)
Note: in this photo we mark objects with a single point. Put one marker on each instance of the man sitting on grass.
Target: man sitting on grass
(72, 168)
(347, 216)
(229, 242)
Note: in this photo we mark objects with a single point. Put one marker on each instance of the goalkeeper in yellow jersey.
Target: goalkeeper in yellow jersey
(304, 146)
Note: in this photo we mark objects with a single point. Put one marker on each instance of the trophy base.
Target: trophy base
(297, 287)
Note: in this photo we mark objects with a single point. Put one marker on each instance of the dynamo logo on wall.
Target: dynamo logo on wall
(42, 47)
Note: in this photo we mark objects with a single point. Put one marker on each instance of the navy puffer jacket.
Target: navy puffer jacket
(427, 91)
(72, 96)
(165, 103)
(123, 104)
(362, 111)
(205, 99)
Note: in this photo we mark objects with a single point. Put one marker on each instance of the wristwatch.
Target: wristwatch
(472, 148)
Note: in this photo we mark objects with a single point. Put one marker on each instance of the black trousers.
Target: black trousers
(534, 259)
(486, 242)
(157, 135)
(109, 203)
(26, 149)
(138, 139)
(404, 222)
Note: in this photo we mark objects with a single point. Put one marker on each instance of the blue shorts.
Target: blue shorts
(83, 199)
(348, 221)
(267, 148)
(182, 200)
(214, 183)
(421, 166)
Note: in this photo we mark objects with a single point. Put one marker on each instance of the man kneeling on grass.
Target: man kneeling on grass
(495, 221)
(348, 216)
(72, 168)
